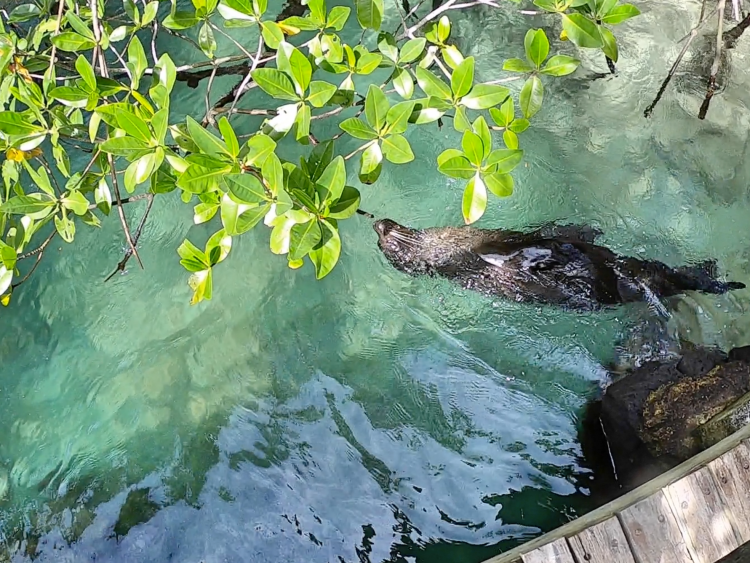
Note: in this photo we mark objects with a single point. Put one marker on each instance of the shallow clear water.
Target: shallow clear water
(371, 416)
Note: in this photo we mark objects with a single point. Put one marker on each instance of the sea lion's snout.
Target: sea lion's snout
(383, 227)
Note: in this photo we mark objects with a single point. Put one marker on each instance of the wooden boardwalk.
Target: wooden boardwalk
(698, 512)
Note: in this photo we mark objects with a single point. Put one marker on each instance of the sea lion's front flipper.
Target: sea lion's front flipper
(582, 233)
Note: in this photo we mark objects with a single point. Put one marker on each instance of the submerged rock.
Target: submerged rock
(663, 412)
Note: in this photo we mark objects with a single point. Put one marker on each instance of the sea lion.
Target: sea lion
(556, 264)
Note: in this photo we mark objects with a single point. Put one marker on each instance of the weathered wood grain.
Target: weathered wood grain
(555, 552)
(603, 543)
(653, 532)
(731, 472)
(702, 516)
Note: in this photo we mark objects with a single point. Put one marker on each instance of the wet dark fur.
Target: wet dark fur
(558, 265)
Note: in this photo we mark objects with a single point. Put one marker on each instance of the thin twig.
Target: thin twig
(121, 212)
(128, 253)
(692, 35)
(717, 62)
(39, 249)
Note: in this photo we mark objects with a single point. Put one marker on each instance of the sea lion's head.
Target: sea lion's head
(402, 246)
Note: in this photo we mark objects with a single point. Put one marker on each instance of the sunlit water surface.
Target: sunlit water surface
(371, 416)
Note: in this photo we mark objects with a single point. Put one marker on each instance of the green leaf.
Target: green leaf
(273, 174)
(259, 147)
(320, 157)
(103, 196)
(65, 228)
(411, 50)
(369, 13)
(500, 184)
(188, 251)
(504, 160)
(320, 93)
(180, 19)
(246, 188)
(432, 86)
(326, 253)
(86, 71)
(202, 285)
(581, 30)
(218, 247)
(536, 45)
(398, 116)
(76, 202)
(304, 24)
(531, 96)
(317, 10)
(134, 126)
(139, 170)
(26, 205)
(457, 167)
(620, 13)
(428, 110)
(69, 96)
(481, 129)
(200, 179)
(206, 40)
(372, 158)
(239, 218)
(452, 56)
(610, 43)
(206, 142)
(474, 200)
(128, 147)
(396, 149)
(403, 83)
(447, 154)
(444, 29)
(463, 78)
(291, 61)
(519, 125)
(333, 179)
(603, 7)
(302, 120)
(230, 139)
(510, 139)
(471, 143)
(484, 96)
(358, 129)
(548, 5)
(72, 42)
(337, 17)
(505, 115)
(517, 65)
(275, 83)
(347, 204)
(387, 46)
(273, 36)
(560, 65)
(376, 107)
(367, 63)
(303, 239)
(461, 121)
(14, 123)
(21, 14)
(8, 256)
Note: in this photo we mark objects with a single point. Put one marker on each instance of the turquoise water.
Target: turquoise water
(370, 416)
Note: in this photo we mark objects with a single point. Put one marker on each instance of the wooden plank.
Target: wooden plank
(555, 552)
(701, 516)
(731, 472)
(653, 533)
(626, 500)
(603, 543)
